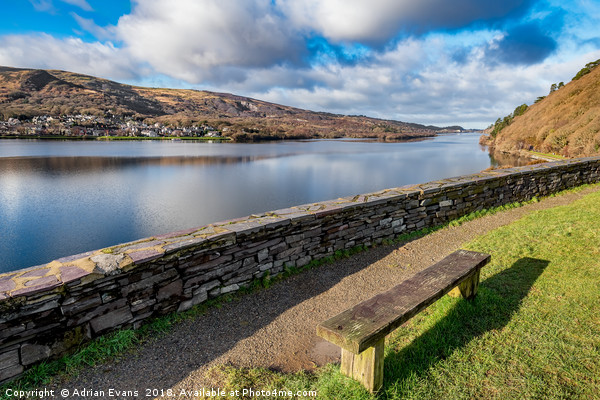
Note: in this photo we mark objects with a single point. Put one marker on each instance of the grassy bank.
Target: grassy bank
(550, 156)
(185, 138)
(532, 332)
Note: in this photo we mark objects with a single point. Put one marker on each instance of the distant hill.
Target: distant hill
(25, 93)
(565, 122)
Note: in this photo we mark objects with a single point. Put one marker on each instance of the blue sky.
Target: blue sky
(436, 62)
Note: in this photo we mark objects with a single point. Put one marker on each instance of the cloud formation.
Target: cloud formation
(381, 20)
(72, 54)
(48, 5)
(83, 4)
(431, 61)
(190, 40)
(88, 25)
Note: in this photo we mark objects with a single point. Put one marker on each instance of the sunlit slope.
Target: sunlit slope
(566, 122)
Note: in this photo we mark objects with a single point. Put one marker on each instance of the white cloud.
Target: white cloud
(190, 40)
(408, 83)
(72, 54)
(42, 5)
(48, 5)
(83, 4)
(88, 25)
(382, 20)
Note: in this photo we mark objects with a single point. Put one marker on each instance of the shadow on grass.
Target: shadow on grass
(498, 299)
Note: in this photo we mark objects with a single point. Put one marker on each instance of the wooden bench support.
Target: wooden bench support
(361, 330)
(365, 367)
(468, 288)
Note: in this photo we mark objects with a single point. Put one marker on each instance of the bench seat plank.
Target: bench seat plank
(363, 325)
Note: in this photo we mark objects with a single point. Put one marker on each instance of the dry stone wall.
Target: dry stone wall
(47, 310)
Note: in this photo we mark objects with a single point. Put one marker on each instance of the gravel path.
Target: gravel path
(275, 328)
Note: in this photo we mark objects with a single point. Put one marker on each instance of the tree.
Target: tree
(520, 110)
(587, 69)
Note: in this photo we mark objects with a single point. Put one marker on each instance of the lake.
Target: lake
(59, 198)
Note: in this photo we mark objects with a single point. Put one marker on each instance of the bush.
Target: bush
(587, 69)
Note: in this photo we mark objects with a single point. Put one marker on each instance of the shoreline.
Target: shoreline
(385, 139)
(109, 138)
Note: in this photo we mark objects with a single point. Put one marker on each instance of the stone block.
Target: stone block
(250, 261)
(278, 248)
(141, 245)
(190, 243)
(71, 273)
(142, 304)
(149, 282)
(207, 287)
(265, 267)
(96, 312)
(7, 285)
(9, 373)
(301, 262)
(9, 331)
(386, 221)
(262, 255)
(294, 238)
(32, 353)
(9, 359)
(197, 299)
(43, 285)
(108, 297)
(108, 264)
(195, 266)
(230, 288)
(142, 256)
(176, 234)
(173, 289)
(79, 305)
(111, 320)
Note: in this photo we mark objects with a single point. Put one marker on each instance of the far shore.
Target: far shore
(88, 137)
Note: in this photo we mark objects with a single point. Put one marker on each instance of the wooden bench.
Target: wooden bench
(361, 330)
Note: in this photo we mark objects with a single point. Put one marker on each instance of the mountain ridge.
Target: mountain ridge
(25, 93)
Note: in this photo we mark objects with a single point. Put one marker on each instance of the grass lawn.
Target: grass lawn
(548, 155)
(533, 332)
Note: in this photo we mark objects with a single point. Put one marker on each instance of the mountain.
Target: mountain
(25, 93)
(565, 122)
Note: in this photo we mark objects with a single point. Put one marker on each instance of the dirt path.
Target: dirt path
(275, 328)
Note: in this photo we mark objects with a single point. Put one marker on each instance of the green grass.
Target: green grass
(107, 347)
(432, 339)
(185, 138)
(548, 155)
(533, 332)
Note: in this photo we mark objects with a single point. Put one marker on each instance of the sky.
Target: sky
(440, 62)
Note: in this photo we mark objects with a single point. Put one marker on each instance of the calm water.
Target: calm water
(63, 198)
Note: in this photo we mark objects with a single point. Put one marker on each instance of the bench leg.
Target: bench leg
(366, 367)
(467, 288)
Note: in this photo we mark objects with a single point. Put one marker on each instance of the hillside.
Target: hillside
(565, 122)
(25, 93)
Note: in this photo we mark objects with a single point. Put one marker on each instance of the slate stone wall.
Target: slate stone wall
(47, 310)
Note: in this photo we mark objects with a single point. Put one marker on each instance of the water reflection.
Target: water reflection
(499, 159)
(58, 199)
(74, 165)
